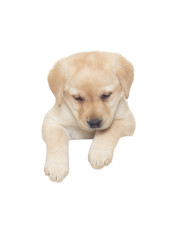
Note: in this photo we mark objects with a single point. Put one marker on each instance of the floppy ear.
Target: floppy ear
(125, 73)
(56, 80)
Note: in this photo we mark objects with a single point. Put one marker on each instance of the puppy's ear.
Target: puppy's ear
(56, 80)
(125, 73)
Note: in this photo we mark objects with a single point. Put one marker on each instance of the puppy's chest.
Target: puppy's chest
(77, 133)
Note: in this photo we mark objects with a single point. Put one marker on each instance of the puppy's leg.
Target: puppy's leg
(56, 138)
(104, 143)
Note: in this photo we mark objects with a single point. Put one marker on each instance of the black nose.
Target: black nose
(95, 123)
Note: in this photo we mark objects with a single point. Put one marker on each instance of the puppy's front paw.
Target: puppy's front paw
(56, 172)
(100, 158)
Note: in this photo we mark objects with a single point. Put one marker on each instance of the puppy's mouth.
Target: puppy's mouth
(95, 124)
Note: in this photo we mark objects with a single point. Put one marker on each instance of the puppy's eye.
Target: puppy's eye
(105, 96)
(79, 99)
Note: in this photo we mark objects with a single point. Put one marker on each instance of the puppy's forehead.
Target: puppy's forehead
(90, 72)
(93, 91)
(92, 60)
(89, 80)
(89, 62)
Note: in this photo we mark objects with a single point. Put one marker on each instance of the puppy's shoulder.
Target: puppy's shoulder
(122, 109)
(62, 115)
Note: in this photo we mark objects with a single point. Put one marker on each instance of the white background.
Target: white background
(141, 194)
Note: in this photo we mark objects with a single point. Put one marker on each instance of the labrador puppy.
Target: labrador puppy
(91, 89)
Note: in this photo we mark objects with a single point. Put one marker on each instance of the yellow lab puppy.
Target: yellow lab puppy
(91, 89)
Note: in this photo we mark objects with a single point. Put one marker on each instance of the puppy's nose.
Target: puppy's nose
(95, 123)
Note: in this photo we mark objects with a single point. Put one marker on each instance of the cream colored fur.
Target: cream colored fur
(87, 76)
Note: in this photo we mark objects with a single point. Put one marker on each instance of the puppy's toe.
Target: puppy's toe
(99, 158)
(61, 175)
(55, 172)
(46, 171)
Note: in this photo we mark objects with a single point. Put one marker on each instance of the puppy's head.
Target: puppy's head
(91, 84)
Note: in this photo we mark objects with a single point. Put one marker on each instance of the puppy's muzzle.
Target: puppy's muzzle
(95, 123)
